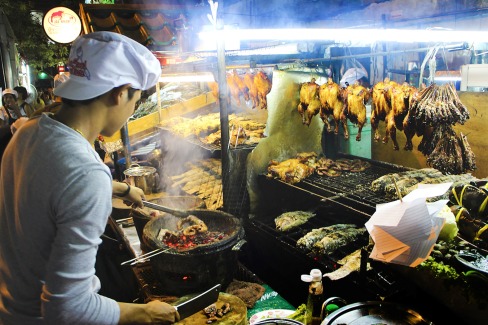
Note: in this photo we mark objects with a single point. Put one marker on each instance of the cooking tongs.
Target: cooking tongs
(175, 212)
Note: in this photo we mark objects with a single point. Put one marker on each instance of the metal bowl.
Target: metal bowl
(374, 312)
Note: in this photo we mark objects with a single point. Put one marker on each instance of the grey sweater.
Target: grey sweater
(55, 197)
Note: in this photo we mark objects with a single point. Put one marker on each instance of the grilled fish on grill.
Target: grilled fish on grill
(292, 219)
(380, 184)
(308, 241)
(349, 264)
(409, 180)
(342, 237)
(197, 176)
(203, 179)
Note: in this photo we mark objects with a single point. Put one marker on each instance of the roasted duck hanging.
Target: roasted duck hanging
(331, 103)
(309, 105)
(400, 97)
(380, 106)
(263, 87)
(237, 87)
(355, 111)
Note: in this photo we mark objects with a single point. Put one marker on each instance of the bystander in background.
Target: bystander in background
(26, 109)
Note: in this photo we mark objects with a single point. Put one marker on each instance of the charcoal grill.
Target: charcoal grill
(152, 288)
(347, 198)
(350, 190)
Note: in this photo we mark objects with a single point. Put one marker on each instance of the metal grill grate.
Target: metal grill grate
(213, 149)
(347, 198)
(349, 190)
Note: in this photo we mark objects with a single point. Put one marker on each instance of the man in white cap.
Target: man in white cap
(57, 193)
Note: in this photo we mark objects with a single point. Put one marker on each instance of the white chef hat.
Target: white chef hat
(100, 61)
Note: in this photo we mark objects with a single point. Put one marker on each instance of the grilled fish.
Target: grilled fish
(292, 219)
(349, 264)
(330, 243)
(310, 239)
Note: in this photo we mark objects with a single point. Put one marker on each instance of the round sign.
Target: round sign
(62, 25)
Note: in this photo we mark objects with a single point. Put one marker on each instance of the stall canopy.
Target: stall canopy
(160, 27)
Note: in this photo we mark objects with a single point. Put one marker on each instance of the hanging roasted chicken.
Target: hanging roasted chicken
(380, 106)
(213, 86)
(258, 87)
(355, 110)
(331, 103)
(263, 87)
(400, 97)
(251, 89)
(250, 86)
(237, 87)
(309, 105)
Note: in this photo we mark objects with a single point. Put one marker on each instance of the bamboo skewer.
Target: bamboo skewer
(397, 190)
(144, 257)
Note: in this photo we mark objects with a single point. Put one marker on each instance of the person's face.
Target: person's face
(9, 100)
(124, 110)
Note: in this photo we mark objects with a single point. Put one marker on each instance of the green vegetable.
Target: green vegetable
(450, 229)
(476, 274)
(439, 269)
(299, 314)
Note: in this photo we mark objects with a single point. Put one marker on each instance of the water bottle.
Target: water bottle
(315, 297)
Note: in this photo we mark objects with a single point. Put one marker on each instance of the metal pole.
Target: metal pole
(223, 98)
(367, 55)
(124, 134)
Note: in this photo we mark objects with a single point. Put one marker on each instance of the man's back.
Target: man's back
(48, 214)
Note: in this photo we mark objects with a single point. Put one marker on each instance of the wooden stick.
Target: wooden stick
(397, 189)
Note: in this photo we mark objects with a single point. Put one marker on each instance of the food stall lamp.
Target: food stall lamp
(341, 35)
(187, 77)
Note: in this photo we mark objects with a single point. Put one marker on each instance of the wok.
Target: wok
(169, 203)
(184, 271)
(216, 221)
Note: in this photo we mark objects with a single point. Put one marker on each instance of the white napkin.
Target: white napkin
(405, 231)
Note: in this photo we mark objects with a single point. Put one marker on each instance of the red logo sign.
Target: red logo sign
(62, 25)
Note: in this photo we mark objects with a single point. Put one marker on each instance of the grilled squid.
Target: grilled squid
(191, 225)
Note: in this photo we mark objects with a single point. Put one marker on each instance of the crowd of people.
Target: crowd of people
(17, 102)
(56, 192)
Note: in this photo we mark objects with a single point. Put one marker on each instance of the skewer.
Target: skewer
(230, 138)
(144, 257)
(397, 190)
(122, 220)
(237, 136)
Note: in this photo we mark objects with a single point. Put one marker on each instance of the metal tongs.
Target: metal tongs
(175, 212)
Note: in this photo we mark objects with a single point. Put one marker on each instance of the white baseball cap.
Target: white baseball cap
(100, 61)
(10, 92)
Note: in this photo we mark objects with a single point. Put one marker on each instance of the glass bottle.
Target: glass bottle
(315, 297)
